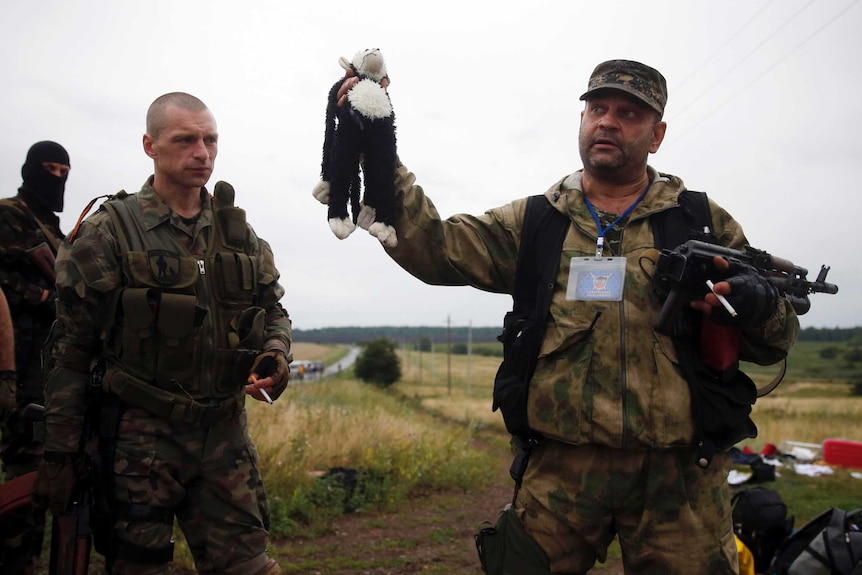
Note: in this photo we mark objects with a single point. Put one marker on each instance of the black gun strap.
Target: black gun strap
(539, 257)
(692, 220)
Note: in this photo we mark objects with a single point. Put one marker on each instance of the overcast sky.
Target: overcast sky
(763, 113)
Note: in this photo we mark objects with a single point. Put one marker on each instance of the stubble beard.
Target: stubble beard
(606, 166)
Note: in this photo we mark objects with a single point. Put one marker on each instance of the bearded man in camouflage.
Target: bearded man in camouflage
(169, 301)
(617, 453)
(29, 237)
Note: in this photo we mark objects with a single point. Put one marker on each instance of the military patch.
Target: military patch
(164, 266)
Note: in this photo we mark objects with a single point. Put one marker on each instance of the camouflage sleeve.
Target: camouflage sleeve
(23, 284)
(769, 343)
(480, 251)
(278, 333)
(88, 271)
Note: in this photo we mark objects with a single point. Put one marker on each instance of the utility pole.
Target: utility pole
(469, 353)
(449, 354)
(433, 361)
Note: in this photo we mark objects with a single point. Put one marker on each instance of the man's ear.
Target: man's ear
(658, 132)
(149, 146)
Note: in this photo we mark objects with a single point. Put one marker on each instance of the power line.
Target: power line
(727, 42)
(771, 67)
(748, 55)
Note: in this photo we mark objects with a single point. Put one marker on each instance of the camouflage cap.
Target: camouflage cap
(645, 83)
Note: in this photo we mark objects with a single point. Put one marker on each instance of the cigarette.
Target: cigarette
(721, 299)
(262, 390)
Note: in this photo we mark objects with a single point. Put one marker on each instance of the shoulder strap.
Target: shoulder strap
(692, 220)
(119, 208)
(538, 261)
(539, 253)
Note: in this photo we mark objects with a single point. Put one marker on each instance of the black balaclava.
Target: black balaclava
(41, 187)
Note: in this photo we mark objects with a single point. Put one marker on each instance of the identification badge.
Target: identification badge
(596, 279)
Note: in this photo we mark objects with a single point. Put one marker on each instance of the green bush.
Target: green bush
(853, 355)
(459, 349)
(378, 363)
(830, 352)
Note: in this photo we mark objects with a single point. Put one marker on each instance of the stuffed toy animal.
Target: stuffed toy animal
(361, 131)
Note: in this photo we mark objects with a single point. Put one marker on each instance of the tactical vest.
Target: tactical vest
(183, 332)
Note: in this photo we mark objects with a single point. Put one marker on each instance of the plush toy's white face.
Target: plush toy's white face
(370, 63)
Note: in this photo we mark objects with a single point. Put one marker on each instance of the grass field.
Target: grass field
(419, 435)
(813, 403)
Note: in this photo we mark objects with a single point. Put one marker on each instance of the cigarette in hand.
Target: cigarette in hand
(261, 390)
(722, 299)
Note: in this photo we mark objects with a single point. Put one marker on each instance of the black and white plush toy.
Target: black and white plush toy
(362, 130)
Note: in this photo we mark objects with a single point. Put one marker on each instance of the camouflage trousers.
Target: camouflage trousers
(671, 516)
(208, 478)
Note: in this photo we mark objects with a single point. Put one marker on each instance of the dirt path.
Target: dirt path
(432, 533)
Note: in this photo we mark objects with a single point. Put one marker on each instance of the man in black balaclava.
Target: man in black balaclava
(45, 172)
(29, 237)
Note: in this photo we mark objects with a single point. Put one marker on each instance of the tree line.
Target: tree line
(403, 335)
(413, 335)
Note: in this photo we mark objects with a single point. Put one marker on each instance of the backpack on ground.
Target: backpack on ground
(761, 523)
(829, 544)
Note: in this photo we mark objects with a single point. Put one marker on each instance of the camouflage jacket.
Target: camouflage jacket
(24, 283)
(169, 308)
(619, 384)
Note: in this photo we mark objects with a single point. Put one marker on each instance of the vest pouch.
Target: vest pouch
(247, 329)
(232, 225)
(245, 342)
(233, 367)
(138, 337)
(176, 352)
(236, 276)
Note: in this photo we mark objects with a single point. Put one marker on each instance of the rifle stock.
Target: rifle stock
(71, 539)
(42, 257)
(71, 536)
(686, 269)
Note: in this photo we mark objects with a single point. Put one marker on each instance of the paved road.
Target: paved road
(344, 363)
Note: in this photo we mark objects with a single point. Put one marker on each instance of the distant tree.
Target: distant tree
(853, 355)
(378, 363)
(459, 348)
(830, 352)
(424, 344)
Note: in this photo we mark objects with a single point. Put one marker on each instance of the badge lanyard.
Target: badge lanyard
(600, 240)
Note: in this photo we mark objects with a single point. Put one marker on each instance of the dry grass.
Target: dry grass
(458, 387)
(315, 351)
(803, 411)
(808, 412)
(329, 424)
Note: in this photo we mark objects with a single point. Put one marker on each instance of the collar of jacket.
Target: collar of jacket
(156, 211)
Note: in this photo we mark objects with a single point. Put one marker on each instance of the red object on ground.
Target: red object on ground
(843, 452)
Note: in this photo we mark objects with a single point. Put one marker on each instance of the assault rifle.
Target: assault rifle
(688, 269)
(18, 492)
(42, 257)
(71, 537)
(70, 531)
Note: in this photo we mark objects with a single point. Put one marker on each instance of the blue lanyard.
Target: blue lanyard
(600, 240)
